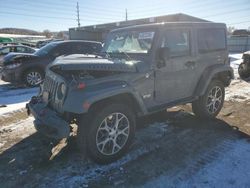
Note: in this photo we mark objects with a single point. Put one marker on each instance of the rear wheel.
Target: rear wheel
(210, 104)
(33, 77)
(109, 133)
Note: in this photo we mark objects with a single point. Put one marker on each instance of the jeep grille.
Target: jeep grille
(51, 85)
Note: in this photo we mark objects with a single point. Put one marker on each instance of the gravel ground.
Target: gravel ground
(171, 149)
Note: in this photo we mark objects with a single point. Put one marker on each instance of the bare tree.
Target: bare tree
(60, 35)
(47, 33)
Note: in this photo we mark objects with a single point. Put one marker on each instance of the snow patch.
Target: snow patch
(14, 98)
(233, 166)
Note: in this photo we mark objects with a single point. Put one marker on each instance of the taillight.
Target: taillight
(81, 85)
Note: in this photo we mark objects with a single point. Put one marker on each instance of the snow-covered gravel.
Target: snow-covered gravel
(14, 98)
(230, 170)
(234, 165)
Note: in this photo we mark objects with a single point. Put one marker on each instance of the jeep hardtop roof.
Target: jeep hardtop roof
(164, 24)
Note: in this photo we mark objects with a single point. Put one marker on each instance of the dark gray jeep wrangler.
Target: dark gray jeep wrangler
(142, 70)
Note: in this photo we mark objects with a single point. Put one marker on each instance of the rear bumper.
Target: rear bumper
(47, 121)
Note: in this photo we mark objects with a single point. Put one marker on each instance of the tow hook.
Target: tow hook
(28, 109)
(34, 100)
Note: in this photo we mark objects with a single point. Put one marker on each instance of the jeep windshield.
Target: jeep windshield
(46, 49)
(129, 42)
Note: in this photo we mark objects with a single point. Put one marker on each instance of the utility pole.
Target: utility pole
(78, 17)
(126, 15)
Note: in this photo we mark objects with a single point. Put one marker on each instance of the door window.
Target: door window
(30, 50)
(5, 50)
(20, 49)
(85, 48)
(91, 48)
(62, 50)
(177, 40)
(80, 48)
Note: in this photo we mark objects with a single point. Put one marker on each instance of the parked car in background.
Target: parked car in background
(244, 67)
(2, 44)
(30, 68)
(15, 48)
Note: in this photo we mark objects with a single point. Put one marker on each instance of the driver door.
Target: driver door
(176, 80)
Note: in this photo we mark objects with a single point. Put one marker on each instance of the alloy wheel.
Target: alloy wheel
(112, 134)
(34, 78)
(214, 99)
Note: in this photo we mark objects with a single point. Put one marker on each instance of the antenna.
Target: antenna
(78, 16)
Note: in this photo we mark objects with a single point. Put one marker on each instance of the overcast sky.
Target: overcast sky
(59, 15)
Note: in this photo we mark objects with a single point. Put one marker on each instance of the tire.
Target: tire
(106, 141)
(244, 71)
(33, 77)
(209, 105)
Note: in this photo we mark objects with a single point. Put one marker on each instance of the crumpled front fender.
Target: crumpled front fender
(79, 101)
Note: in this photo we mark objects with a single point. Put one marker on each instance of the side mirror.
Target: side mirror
(163, 56)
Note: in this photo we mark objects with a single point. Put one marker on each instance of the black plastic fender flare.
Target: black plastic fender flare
(209, 74)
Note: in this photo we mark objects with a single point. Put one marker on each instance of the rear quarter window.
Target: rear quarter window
(20, 49)
(211, 40)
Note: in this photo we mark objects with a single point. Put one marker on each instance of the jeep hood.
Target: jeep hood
(92, 62)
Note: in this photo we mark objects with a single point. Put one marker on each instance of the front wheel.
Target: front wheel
(109, 133)
(210, 104)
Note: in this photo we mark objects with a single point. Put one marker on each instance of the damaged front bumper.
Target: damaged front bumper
(47, 121)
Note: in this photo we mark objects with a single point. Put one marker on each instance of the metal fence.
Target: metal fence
(238, 44)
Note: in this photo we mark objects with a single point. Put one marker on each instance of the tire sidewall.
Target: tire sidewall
(98, 117)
